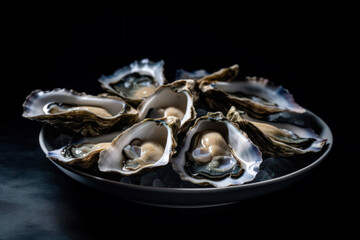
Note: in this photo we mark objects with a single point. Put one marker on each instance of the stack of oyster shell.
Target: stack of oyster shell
(213, 129)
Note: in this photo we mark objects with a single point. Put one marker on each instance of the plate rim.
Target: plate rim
(299, 172)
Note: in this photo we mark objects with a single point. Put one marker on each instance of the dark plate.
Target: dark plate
(193, 197)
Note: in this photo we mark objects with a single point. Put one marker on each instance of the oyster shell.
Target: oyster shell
(224, 74)
(184, 84)
(257, 96)
(173, 100)
(135, 82)
(147, 144)
(83, 152)
(278, 139)
(216, 152)
(79, 112)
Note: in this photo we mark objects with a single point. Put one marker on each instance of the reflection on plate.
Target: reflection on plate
(163, 187)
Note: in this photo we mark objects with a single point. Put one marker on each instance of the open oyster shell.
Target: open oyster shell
(174, 100)
(79, 112)
(278, 139)
(216, 151)
(83, 152)
(135, 82)
(145, 145)
(257, 96)
(246, 155)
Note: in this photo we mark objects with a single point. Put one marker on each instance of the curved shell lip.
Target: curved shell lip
(251, 165)
(146, 105)
(56, 154)
(223, 75)
(314, 147)
(287, 99)
(85, 162)
(268, 143)
(27, 105)
(204, 190)
(155, 69)
(164, 160)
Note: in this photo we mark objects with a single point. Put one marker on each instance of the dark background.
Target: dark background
(300, 48)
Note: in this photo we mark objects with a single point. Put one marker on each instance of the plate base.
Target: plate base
(182, 206)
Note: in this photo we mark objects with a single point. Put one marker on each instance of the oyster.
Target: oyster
(216, 152)
(170, 101)
(222, 75)
(257, 96)
(147, 144)
(135, 82)
(83, 152)
(184, 84)
(278, 139)
(81, 113)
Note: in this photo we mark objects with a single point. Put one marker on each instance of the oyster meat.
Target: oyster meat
(81, 113)
(147, 144)
(169, 101)
(53, 108)
(135, 82)
(211, 157)
(141, 153)
(216, 152)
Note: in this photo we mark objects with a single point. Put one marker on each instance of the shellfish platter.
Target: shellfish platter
(200, 130)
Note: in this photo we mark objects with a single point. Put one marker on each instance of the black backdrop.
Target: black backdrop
(72, 49)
